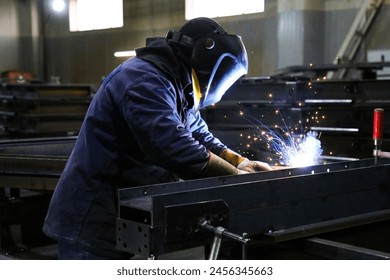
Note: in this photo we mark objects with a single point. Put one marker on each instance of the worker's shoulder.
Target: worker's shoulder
(134, 73)
(135, 69)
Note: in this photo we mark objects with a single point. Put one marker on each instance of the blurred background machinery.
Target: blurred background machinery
(38, 127)
(42, 110)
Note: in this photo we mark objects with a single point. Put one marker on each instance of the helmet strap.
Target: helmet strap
(179, 37)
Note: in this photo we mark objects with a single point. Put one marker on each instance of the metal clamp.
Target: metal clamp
(220, 232)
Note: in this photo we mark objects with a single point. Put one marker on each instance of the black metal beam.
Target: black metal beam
(322, 198)
(341, 251)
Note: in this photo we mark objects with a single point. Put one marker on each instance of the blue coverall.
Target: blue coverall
(140, 129)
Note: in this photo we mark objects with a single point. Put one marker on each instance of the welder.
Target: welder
(144, 126)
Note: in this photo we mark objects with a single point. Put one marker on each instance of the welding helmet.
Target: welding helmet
(216, 59)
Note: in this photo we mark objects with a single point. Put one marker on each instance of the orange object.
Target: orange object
(15, 76)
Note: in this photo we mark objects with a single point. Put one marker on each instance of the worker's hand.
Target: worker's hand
(242, 172)
(242, 163)
(252, 166)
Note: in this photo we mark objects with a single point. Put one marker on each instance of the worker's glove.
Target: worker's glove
(243, 163)
(232, 157)
(217, 166)
(252, 166)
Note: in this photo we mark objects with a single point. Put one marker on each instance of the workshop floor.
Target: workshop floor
(49, 252)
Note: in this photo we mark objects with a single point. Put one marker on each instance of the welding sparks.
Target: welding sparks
(298, 151)
(293, 148)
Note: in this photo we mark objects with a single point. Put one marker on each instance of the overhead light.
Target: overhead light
(124, 54)
(58, 5)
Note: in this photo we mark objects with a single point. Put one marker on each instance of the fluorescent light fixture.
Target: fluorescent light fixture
(124, 54)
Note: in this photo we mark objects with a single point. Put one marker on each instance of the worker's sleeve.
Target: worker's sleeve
(150, 110)
(201, 132)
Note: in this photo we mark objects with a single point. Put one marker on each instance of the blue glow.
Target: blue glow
(292, 145)
(301, 151)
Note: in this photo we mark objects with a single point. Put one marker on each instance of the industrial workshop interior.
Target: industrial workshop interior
(314, 105)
